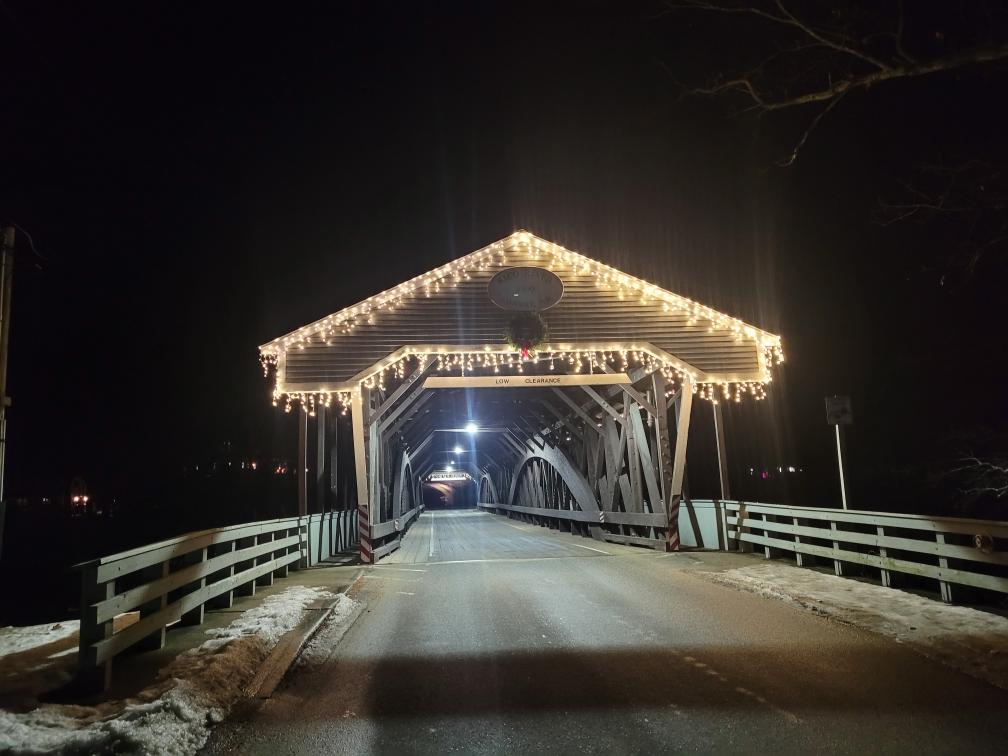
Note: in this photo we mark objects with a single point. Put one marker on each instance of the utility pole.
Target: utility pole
(6, 282)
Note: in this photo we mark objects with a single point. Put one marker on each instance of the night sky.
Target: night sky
(201, 178)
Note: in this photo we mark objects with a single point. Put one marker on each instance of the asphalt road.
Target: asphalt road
(484, 635)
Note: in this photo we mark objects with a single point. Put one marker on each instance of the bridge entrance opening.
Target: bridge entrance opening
(575, 415)
(440, 492)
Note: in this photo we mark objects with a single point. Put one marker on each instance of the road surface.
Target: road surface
(484, 635)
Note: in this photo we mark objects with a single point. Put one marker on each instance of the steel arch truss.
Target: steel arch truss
(605, 462)
(605, 467)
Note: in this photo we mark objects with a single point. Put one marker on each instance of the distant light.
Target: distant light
(471, 427)
(790, 468)
(458, 449)
(449, 465)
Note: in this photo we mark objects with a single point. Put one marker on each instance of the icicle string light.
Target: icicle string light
(494, 359)
(495, 256)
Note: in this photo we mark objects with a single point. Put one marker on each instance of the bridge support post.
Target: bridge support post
(662, 438)
(722, 455)
(302, 463)
(360, 404)
(320, 456)
(685, 403)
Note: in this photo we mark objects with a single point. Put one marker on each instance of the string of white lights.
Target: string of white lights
(495, 358)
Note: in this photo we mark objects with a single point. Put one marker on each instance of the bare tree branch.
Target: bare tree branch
(785, 162)
(983, 476)
(850, 59)
(967, 202)
(865, 81)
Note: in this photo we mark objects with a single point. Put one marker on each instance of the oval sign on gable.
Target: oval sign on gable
(525, 289)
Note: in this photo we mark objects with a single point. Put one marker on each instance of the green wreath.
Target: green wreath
(526, 331)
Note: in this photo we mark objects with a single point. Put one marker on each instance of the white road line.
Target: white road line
(573, 544)
(517, 527)
(399, 569)
(389, 577)
(590, 549)
(508, 559)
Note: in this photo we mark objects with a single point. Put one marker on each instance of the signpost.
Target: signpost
(838, 412)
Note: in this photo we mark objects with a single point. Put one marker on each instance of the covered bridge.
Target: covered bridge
(554, 384)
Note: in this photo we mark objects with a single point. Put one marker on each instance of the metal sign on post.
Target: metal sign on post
(838, 412)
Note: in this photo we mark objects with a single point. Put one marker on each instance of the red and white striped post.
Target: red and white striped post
(360, 403)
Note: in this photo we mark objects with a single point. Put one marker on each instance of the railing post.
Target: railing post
(797, 541)
(91, 676)
(301, 532)
(280, 572)
(744, 546)
(265, 580)
(768, 551)
(249, 588)
(886, 575)
(226, 599)
(945, 586)
(156, 639)
(837, 564)
(195, 615)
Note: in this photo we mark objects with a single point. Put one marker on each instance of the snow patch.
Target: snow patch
(172, 716)
(17, 640)
(35, 659)
(966, 639)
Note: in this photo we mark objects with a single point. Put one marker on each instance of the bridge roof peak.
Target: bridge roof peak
(448, 309)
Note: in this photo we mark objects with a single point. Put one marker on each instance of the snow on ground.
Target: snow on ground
(323, 643)
(41, 658)
(16, 640)
(969, 640)
(172, 716)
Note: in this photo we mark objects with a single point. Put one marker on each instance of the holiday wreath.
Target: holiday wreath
(525, 331)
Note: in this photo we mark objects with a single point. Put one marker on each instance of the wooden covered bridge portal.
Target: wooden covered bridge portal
(562, 386)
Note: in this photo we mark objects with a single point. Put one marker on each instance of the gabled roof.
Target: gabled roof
(448, 310)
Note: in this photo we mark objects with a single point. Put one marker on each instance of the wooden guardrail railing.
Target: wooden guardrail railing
(952, 551)
(172, 581)
(393, 531)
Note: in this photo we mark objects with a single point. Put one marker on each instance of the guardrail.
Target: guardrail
(393, 530)
(952, 551)
(331, 533)
(700, 525)
(172, 581)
